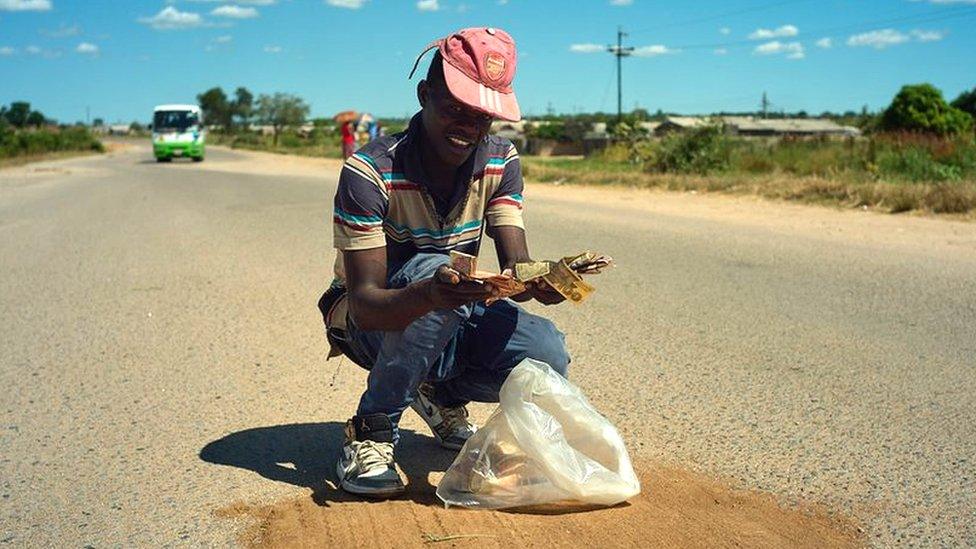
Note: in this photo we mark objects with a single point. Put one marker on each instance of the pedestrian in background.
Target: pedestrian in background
(348, 139)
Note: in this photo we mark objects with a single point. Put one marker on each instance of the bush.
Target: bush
(33, 142)
(921, 158)
(248, 139)
(700, 151)
(552, 130)
(290, 140)
(921, 108)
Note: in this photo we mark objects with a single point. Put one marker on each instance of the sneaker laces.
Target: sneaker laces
(370, 453)
(455, 419)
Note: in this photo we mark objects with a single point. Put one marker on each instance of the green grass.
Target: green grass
(892, 173)
(322, 144)
(36, 143)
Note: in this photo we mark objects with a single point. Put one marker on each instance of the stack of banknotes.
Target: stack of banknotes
(564, 275)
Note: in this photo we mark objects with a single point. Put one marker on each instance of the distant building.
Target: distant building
(800, 127)
(749, 126)
(673, 124)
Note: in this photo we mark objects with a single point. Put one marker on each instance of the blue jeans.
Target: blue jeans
(466, 353)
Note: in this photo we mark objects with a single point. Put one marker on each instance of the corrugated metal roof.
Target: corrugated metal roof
(688, 121)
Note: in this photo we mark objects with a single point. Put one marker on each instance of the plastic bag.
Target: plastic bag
(543, 444)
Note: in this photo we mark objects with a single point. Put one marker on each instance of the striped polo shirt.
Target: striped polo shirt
(382, 199)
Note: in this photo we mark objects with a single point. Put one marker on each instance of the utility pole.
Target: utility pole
(620, 51)
(765, 105)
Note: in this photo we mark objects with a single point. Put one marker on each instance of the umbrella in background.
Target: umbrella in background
(346, 116)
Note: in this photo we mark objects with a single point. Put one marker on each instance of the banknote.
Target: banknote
(531, 270)
(463, 263)
(588, 262)
(565, 281)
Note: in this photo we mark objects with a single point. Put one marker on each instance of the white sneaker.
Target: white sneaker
(366, 465)
(450, 426)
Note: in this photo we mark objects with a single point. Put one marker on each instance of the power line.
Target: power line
(620, 52)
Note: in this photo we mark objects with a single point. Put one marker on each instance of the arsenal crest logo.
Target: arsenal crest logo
(494, 65)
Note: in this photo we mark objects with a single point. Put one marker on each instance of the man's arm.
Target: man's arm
(512, 248)
(375, 307)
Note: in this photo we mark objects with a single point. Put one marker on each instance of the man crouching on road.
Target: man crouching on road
(403, 203)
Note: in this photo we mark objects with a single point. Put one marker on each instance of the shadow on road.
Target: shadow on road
(304, 454)
(174, 162)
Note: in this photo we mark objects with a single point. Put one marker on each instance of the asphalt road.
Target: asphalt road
(152, 313)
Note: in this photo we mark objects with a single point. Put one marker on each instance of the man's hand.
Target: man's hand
(541, 291)
(446, 289)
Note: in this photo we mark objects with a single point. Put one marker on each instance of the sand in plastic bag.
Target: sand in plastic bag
(543, 444)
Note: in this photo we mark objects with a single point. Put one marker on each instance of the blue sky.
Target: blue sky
(119, 58)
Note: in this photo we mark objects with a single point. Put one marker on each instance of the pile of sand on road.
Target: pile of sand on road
(675, 509)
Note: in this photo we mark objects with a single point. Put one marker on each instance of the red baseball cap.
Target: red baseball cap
(479, 66)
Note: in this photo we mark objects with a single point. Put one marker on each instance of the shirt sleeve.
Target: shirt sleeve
(505, 206)
(360, 206)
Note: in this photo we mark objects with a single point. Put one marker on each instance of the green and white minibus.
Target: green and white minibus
(178, 131)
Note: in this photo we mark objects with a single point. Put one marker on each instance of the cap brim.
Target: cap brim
(480, 97)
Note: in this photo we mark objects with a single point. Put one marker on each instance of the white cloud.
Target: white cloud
(170, 18)
(42, 52)
(825, 43)
(272, 49)
(87, 48)
(725, 30)
(779, 32)
(928, 35)
(7, 51)
(235, 12)
(720, 51)
(63, 31)
(219, 42)
(428, 5)
(25, 5)
(653, 51)
(587, 48)
(792, 50)
(621, 2)
(879, 39)
(348, 4)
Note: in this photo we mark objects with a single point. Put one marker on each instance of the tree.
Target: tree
(36, 119)
(966, 102)
(243, 107)
(18, 113)
(98, 122)
(215, 107)
(921, 108)
(280, 111)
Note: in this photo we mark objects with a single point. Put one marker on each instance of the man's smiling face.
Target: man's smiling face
(453, 129)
